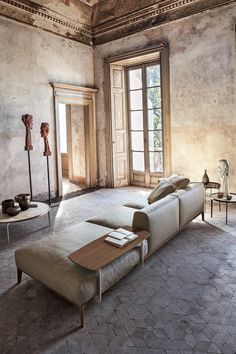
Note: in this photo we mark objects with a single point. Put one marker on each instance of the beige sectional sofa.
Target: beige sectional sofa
(47, 260)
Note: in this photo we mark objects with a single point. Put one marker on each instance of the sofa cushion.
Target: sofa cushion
(178, 181)
(47, 261)
(114, 218)
(160, 218)
(160, 191)
(191, 202)
(138, 204)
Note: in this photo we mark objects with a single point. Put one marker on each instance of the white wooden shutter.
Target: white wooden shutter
(119, 127)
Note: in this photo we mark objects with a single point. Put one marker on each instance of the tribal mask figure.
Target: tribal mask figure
(27, 119)
(44, 130)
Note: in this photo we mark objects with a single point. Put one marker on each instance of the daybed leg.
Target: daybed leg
(203, 217)
(81, 311)
(19, 276)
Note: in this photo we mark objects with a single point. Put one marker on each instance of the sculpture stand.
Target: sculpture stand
(49, 188)
(30, 177)
(27, 119)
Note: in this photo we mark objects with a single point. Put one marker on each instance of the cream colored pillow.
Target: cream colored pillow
(179, 182)
(160, 191)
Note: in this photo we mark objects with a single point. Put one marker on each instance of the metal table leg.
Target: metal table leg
(211, 208)
(49, 217)
(141, 254)
(99, 286)
(8, 234)
(226, 213)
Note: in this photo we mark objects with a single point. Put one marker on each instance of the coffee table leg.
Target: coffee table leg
(8, 233)
(99, 286)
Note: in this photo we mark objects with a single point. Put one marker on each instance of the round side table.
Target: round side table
(214, 197)
(210, 185)
(28, 214)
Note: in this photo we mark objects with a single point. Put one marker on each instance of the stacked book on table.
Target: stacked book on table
(120, 237)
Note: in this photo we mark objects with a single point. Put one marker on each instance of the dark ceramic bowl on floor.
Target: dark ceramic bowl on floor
(13, 211)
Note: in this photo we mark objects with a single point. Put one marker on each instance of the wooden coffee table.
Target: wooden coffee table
(98, 253)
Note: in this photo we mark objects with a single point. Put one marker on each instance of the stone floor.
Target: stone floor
(182, 301)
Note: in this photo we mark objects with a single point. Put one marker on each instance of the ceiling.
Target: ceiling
(90, 2)
(94, 22)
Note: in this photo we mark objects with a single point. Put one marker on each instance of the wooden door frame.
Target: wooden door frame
(125, 59)
(82, 96)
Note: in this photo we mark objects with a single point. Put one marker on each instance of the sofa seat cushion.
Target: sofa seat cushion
(191, 202)
(138, 204)
(47, 261)
(114, 218)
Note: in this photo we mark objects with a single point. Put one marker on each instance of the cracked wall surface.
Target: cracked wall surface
(202, 90)
(29, 60)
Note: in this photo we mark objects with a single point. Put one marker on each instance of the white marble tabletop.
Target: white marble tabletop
(26, 214)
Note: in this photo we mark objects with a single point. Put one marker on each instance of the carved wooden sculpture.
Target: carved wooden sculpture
(27, 119)
(44, 134)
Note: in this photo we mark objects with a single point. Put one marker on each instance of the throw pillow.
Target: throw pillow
(160, 191)
(179, 182)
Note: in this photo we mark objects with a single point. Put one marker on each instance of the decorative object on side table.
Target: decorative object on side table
(23, 199)
(7, 203)
(223, 169)
(205, 178)
(13, 211)
(44, 130)
(27, 119)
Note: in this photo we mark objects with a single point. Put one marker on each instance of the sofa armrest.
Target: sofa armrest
(160, 218)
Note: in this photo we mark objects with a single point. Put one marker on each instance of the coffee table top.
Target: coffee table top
(26, 214)
(215, 197)
(98, 253)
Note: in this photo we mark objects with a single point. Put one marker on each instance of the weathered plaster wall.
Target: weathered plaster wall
(29, 60)
(202, 90)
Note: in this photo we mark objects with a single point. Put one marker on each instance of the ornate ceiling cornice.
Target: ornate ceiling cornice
(38, 16)
(152, 16)
(28, 12)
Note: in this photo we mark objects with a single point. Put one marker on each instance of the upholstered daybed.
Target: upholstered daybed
(47, 260)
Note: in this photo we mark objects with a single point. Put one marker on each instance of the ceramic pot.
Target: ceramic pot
(7, 204)
(205, 178)
(24, 203)
(13, 211)
(21, 196)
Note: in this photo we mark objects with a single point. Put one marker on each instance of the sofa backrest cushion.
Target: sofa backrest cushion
(160, 191)
(179, 182)
(160, 218)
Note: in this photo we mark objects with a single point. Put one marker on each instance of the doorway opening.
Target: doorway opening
(75, 138)
(72, 147)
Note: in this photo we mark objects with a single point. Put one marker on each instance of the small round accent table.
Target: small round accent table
(210, 185)
(28, 214)
(214, 197)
